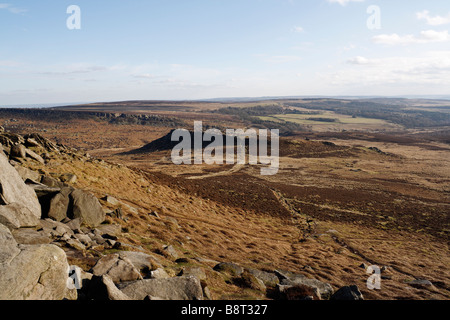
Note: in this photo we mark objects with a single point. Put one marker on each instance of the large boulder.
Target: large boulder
(31, 272)
(16, 216)
(87, 207)
(59, 205)
(14, 190)
(178, 288)
(118, 268)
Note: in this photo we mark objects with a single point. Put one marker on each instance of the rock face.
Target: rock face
(14, 191)
(36, 272)
(87, 207)
(179, 288)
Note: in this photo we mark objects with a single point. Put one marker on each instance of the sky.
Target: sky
(200, 49)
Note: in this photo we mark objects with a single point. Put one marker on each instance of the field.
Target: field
(358, 190)
(331, 121)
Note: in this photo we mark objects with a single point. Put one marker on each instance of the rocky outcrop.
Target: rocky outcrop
(178, 288)
(36, 272)
(14, 191)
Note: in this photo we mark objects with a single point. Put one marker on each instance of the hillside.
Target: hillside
(209, 238)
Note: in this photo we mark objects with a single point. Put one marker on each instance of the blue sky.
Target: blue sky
(197, 49)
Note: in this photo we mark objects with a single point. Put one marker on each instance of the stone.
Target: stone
(16, 216)
(30, 236)
(197, 272)
(420, 283)
(297, 292)
(84, 239)
(269, 279)
(27, 174)
(76, 244)
(111, 200)
(55, 228)
(159, 274)
(229, 267)
(110, 231)
(120, 269)
(68, 178)
(52, 182)
(33, 155)
(8, 245)
(30, 142)
(178, 288)
(154, 214)
(87, 207)
(31, 272)
(18, 151)
(74, 225)
(287, 275)
(44, 192)
(348, 293)
(14, 190)
(144, 262)
(59, 205)
(248, 280)
(325, 289)
(170, 251)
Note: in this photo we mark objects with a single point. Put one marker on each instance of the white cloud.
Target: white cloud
(344, 2)
(12, 8)
(433, 20)
(298, 29)
(431, 68)
(428, 36)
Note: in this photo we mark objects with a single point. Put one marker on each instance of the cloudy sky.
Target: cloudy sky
(197, 49)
